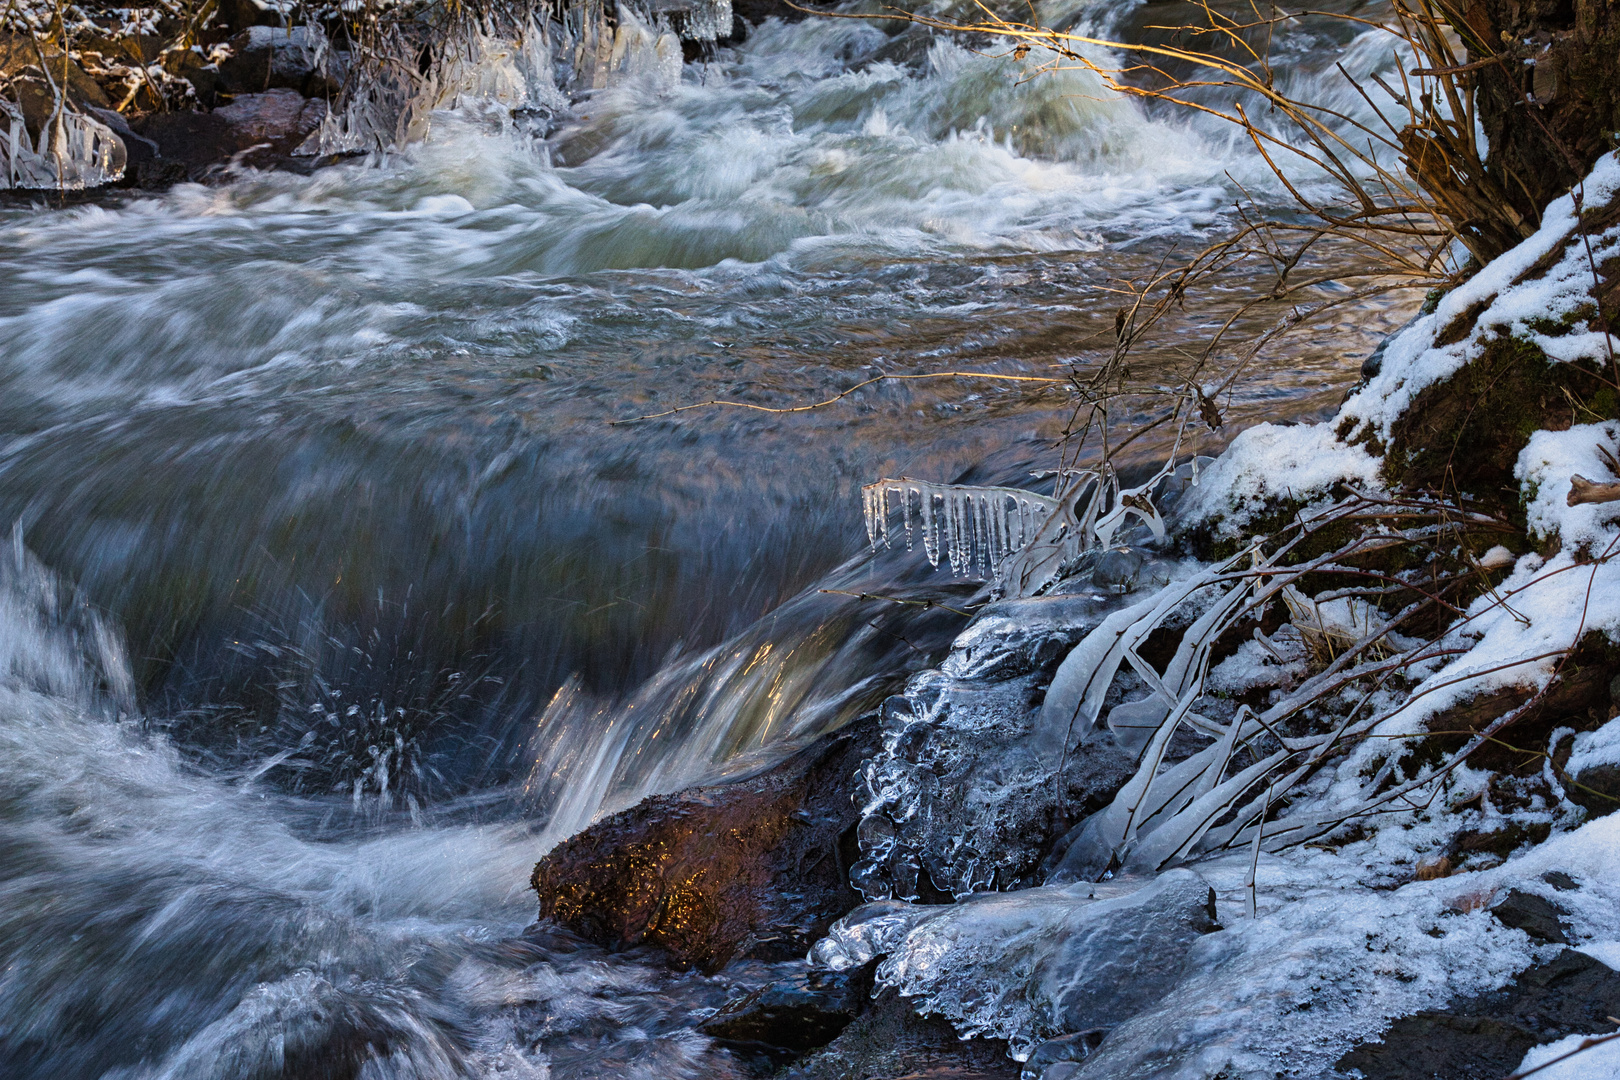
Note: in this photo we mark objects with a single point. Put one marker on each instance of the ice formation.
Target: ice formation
(981, 529)
(972, 526)
(73, 152)
(1318, 947)
(1028, 965)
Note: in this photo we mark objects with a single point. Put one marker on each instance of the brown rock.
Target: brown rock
(21, 58)
(756, 867)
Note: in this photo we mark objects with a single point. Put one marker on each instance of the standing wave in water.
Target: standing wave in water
(330, 454)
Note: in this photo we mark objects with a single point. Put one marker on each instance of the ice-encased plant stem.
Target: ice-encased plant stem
(1019, 539)
(1168, 815)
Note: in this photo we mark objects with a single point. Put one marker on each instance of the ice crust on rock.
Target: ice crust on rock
(1330, 961)
(963, 796)
(1029, 965)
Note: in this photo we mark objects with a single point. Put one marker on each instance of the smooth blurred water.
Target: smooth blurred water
(399, 608)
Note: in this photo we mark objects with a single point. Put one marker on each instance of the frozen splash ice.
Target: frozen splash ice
(74, 151)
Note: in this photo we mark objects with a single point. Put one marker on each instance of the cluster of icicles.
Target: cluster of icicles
(975, 527)
(74, 151)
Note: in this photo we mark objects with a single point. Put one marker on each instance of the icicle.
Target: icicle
(905, 512)
(73, 152)
(975, 526)
(987, 558)
(929, 528)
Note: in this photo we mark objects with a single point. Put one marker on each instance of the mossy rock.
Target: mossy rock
(1465, 433)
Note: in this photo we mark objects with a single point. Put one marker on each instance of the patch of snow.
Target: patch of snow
(1544, 469)
(1272, 461)
(1600, 1062)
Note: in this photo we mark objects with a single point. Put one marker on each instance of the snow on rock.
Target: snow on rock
(1414, 361)
(1270, 461)
(1544, 469)
(1593, 748)
(1517, 633)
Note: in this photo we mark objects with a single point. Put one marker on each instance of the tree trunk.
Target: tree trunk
(1551, 107)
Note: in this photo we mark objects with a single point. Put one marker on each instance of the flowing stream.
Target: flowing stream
(334, 599)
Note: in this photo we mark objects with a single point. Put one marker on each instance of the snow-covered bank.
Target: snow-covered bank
(1416, 703)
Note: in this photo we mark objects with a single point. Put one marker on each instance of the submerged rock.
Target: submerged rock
(757, 867)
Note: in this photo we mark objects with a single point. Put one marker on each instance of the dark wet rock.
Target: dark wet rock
(280, 118)
(1536, 916)
(891, 1042)
(791, 1010)
(257, 129)
(1486, 1036)
(290, 58)
(753, 868)
(1560, 880)
(1597, 788)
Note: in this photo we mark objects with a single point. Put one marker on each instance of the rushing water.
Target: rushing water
(334, 598)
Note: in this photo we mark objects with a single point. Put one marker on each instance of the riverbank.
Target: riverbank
(1432, 892)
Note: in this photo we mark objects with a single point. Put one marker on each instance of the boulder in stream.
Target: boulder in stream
(758, 867)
